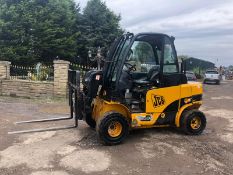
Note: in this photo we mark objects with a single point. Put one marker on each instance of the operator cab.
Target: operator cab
(139, 63)
(142, 64)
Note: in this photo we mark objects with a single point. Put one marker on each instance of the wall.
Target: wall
(4, 70)
(27, 88)
(23, 88)
(60, 77)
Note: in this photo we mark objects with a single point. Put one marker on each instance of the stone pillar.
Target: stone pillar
(5, 69)
(61, 77)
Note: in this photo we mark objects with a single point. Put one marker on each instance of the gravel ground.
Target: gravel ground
(150, 151)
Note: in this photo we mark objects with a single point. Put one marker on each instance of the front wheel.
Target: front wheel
(90, 121)
(193, 122)
(112, 129)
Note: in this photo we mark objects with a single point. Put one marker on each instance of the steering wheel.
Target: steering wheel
(130, 66)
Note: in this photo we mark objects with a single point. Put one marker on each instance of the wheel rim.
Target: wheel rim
(115, 129)
(195, 123)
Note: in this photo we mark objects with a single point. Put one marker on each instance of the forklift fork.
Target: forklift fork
(75, 112)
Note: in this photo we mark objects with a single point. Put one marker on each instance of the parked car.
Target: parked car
(229, 75)
(212, 76)
(191, 76)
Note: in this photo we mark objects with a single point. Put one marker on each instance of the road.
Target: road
(150, 151)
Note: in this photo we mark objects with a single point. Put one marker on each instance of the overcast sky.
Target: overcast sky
(203, 28)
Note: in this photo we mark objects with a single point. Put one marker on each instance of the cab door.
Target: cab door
(164, 101)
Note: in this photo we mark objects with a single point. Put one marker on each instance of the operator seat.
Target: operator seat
(150, 79)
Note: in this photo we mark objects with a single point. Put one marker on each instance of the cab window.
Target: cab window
(169, 64)
(142, 55)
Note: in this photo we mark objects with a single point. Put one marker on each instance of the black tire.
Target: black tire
(218, 82)
(188, 117)
(90, 121)
(106, 122)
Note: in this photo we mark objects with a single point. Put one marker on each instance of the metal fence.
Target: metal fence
(33, 73)
(41, 72)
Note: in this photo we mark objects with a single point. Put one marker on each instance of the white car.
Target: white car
(212, 76)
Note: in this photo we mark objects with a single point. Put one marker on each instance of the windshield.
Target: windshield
(142, 56)
(114, 60)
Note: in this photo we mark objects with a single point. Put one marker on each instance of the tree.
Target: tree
(99, 27)
(38, 30)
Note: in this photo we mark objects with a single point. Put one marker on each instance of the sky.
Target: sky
(202, 28)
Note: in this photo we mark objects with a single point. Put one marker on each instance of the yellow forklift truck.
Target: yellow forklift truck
(142, 85)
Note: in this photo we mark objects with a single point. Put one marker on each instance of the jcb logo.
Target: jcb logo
(158, 100)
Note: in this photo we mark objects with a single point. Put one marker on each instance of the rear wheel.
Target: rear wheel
(112, 128)
(193, 122)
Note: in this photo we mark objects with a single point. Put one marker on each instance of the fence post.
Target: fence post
(5, 69)
(61, 77)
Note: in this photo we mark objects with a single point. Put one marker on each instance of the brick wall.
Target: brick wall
(26, 88)
(4, 70)
(23, 88)
(60, 77)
